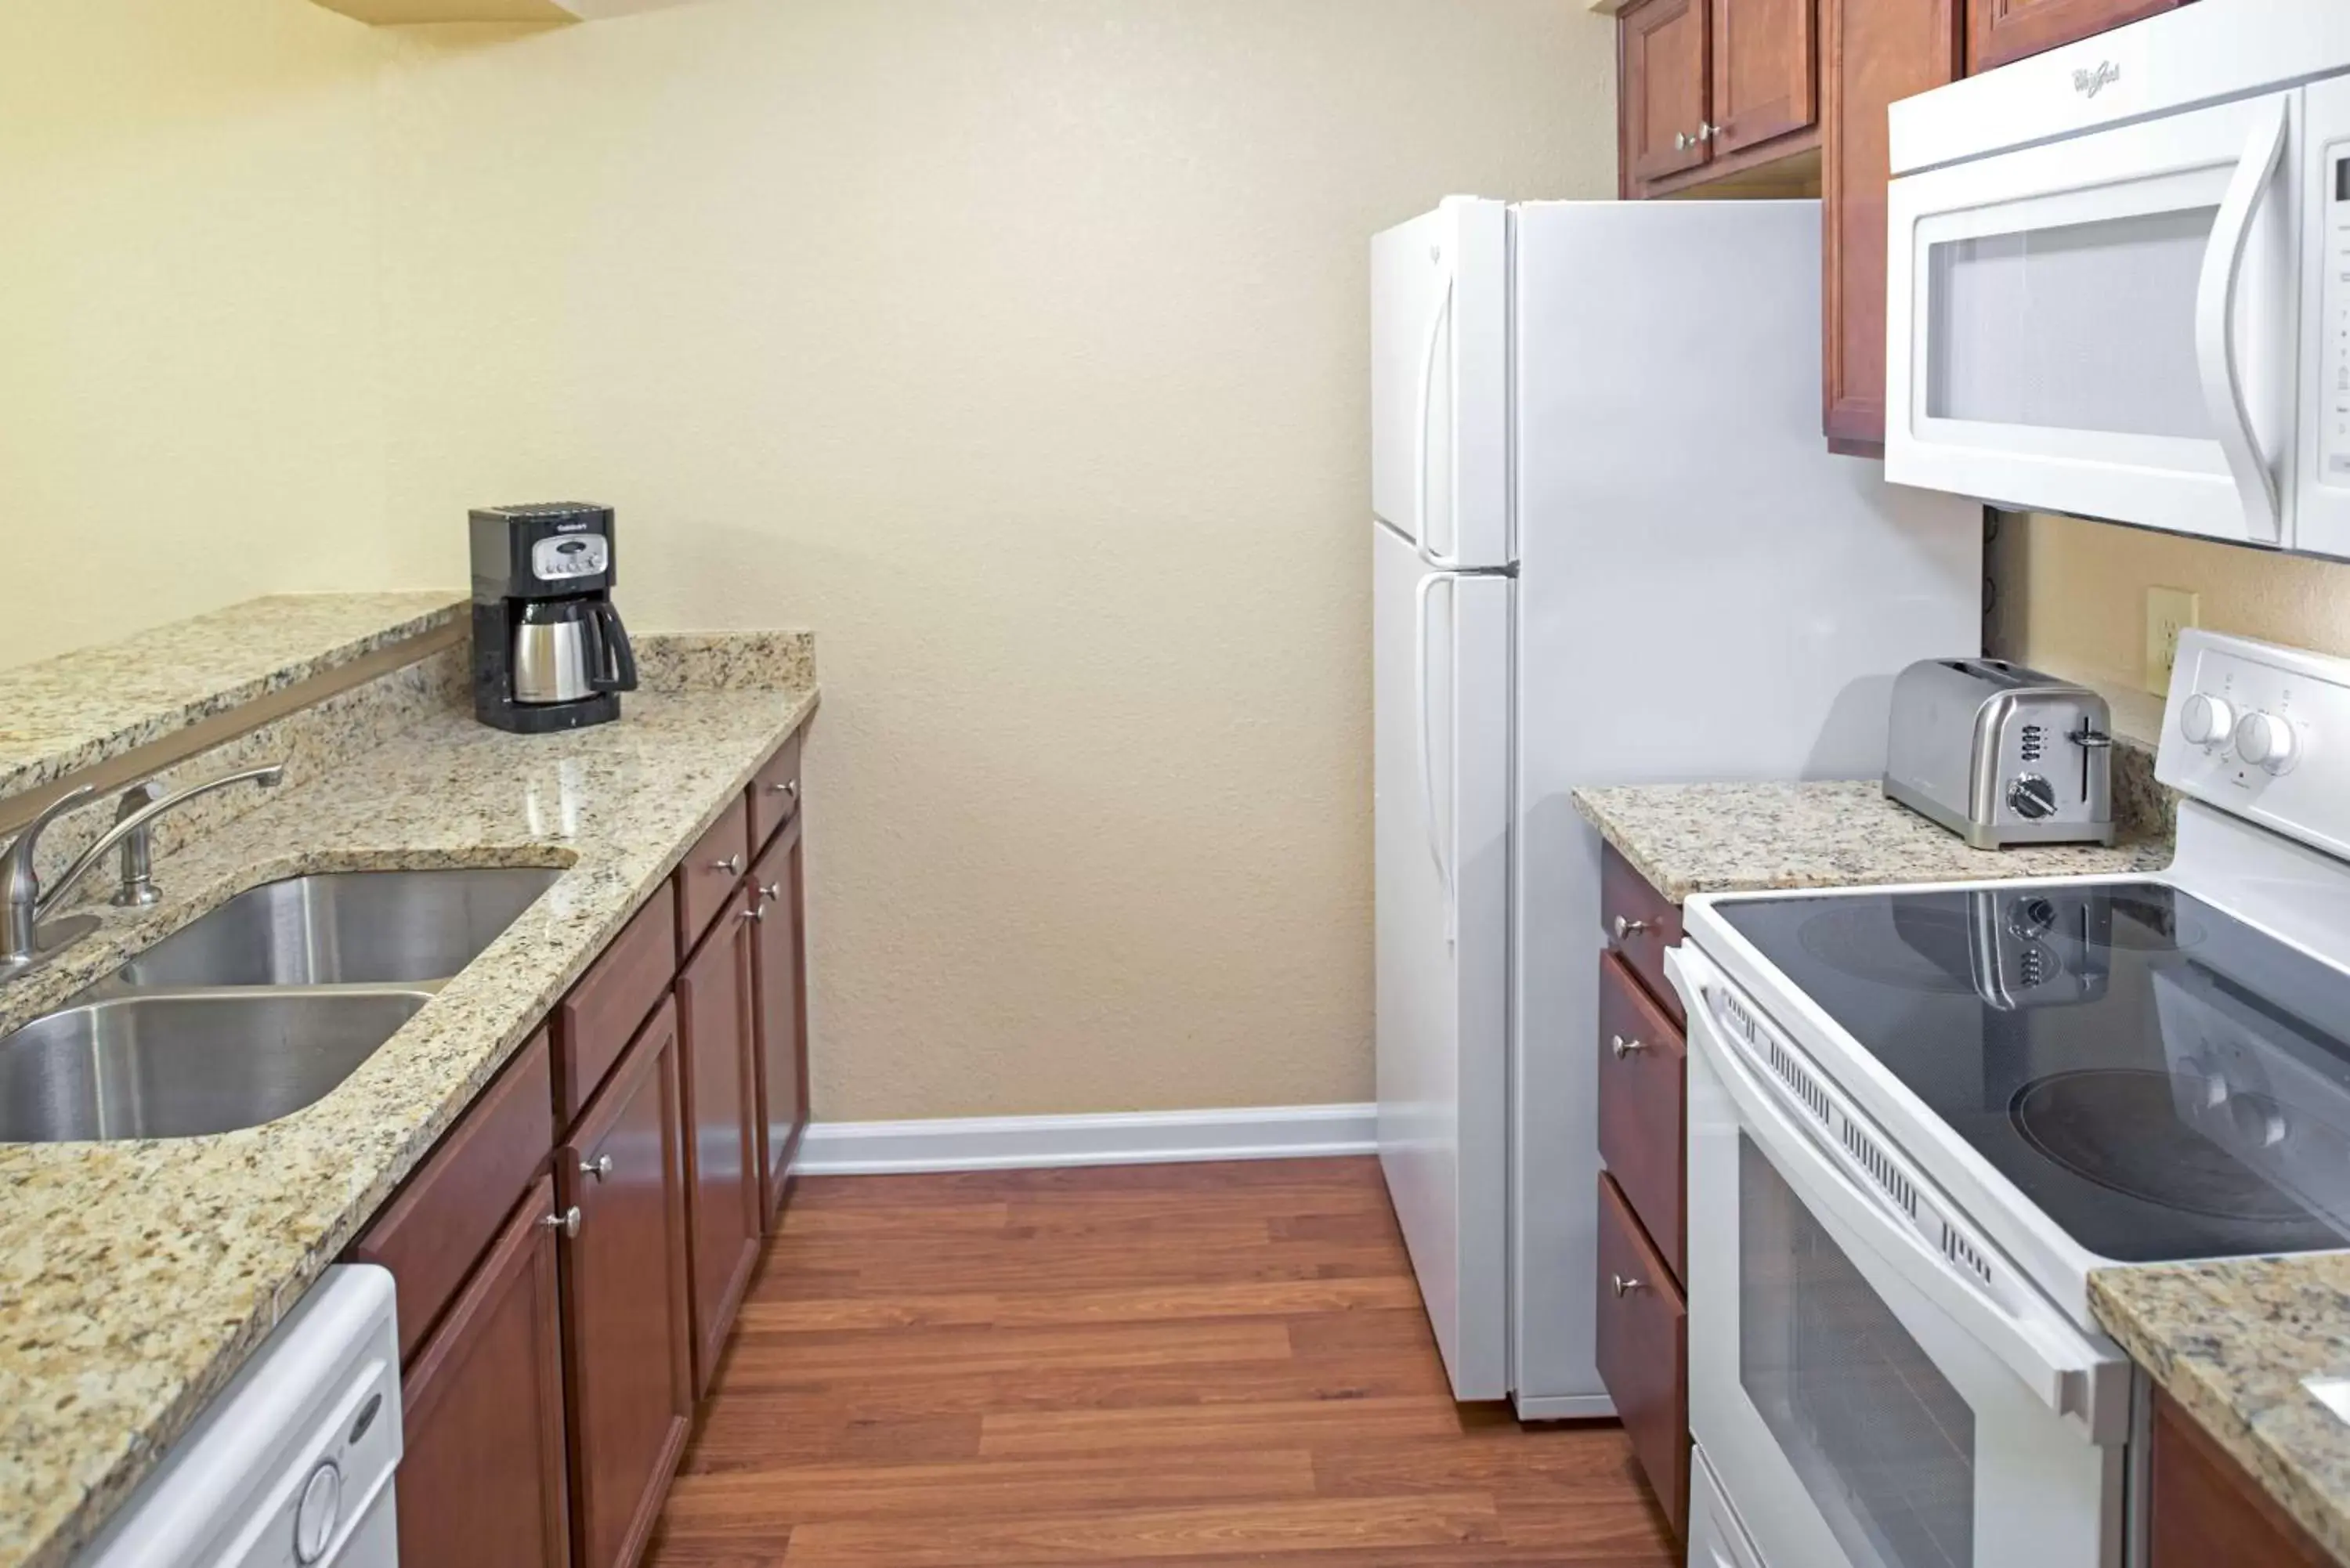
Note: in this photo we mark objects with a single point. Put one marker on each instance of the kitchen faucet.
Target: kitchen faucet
(25, 903)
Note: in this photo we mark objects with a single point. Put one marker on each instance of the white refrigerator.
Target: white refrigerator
(1609, 546)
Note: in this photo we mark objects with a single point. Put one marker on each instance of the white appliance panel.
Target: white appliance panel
(1440, 383)
(1865, 1402)
(1741, 617)
(1440, 659)
(2107, 325)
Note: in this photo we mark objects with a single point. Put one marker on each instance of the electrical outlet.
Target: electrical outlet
(2168, 612)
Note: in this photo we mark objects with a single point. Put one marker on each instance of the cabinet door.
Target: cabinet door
(1765, 72)
(1643, 1352)
(1876, 51)
(781, 976)
(482, 1483)
(2205, 1508)
(626, 1321)
(1661, 85)
(1999, 31)
(720, 1051)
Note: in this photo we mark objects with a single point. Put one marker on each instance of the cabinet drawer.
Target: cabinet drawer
(1644, 1352)
(707, 877)
(1640, 924)
(1643, 1105)
(775, 793)
(595, 1022)
(445, 1217)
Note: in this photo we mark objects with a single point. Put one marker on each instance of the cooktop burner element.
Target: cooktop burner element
(2161, 1079)
(2120, 1127)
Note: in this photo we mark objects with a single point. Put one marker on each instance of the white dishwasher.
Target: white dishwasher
(292, 1462)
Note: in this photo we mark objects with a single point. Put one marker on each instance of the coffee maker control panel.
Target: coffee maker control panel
(570, 555)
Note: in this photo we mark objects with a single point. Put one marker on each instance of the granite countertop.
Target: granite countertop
(139, 1275)
(2232, 1341)
(1690, 839)
(63, 714)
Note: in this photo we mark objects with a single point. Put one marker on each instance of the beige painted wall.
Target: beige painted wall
(188, 415)
(2073, 599)
(1019, 348)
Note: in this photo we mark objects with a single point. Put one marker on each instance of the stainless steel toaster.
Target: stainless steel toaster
(2000, 754)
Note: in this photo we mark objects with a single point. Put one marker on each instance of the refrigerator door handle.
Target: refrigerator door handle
(1436, 325)
(1428, 754)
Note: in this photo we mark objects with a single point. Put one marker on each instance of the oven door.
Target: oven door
(1867, 1399)
(2106, 324)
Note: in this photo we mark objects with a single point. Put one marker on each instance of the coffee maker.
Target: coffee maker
(549, 652)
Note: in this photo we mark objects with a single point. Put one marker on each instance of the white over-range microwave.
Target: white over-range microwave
(2119, 280)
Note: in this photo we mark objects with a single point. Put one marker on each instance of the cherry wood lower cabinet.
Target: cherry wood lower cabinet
(780, 984)
(1644, 1107)
(2204, 1508)
(1999, 31)
(628, 1353)
(1643, 1345)
(719, 1050)
(483, 1481)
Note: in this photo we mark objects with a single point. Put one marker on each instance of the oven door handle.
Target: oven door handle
(2216, 351)
(2071, 1375)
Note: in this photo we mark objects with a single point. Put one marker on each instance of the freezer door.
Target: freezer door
(1442, 671)
(1440, 368)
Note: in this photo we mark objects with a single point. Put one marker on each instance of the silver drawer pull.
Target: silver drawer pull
(1624, 1287)
(1623, 1047)
(772, 893)
(789, 789)
(732, 865)
(567, 1222)
(598, 1168)
(755, 912)
(1626, 926)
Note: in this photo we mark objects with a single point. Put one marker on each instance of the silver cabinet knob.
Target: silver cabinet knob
(1708, 133)
(732, 865)
(772, 893)
(755, 912)
(596, 1169)
(567, 1222)
(1623, 1286)
(1626, 926)
(1683, 142)
(1623, 1047)
(789, 789)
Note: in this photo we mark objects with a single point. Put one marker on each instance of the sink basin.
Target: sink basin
(344, 928)
(177, 1066)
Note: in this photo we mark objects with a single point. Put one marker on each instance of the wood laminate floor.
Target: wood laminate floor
(1178, 1365)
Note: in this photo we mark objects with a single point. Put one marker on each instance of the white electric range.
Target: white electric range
(1919, 1117)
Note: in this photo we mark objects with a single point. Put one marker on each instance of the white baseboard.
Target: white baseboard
(1562, 1407)
(1144, 1137)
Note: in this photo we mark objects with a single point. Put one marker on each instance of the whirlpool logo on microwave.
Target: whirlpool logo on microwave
(2089, 82)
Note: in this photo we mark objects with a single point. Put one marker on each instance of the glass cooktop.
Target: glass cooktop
(2164, 1080)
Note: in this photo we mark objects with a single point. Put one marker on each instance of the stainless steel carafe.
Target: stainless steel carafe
(566, 650)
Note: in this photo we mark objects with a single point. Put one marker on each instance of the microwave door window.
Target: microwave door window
(1880, 1439)
(2087, 326)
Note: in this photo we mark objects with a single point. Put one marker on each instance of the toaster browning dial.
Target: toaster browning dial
(2032, 797)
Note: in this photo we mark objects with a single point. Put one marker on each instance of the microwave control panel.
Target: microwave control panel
(2334, 290)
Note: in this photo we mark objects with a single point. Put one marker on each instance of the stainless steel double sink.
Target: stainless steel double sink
(255, 1009)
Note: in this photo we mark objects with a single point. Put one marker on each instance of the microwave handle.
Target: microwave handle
(2071, 1375)
(2215, 326)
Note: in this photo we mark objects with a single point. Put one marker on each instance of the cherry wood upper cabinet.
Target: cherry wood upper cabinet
(482, 1483)
(1661, 90)
(1873, 52)
(1765, 80)
(1999, 31)
(626, 1350)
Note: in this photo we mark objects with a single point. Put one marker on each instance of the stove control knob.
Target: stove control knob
(2032, 797)
(2206, 720)
(2266, 740)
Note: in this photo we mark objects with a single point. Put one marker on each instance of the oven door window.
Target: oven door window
(1881, 1440)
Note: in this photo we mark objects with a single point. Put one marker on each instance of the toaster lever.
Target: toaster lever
(2085, 735)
